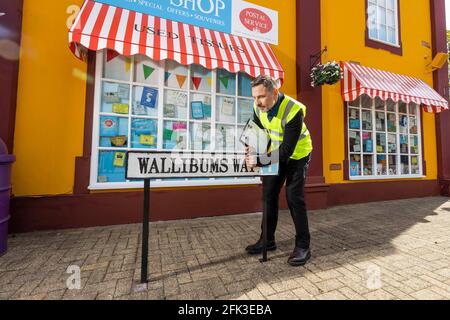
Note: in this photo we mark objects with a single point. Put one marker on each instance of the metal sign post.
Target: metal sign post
(145, 232)
(159, 165)
(264, 233)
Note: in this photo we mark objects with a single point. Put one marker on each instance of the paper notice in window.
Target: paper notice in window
(207, 100)
(228, 107)
(176, 98)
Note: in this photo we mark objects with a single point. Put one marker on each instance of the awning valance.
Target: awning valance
(359, 80)
(99, 26)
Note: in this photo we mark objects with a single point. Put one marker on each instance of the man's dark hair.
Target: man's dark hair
(267, 81)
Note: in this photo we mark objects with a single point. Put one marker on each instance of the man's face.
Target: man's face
(264, 98)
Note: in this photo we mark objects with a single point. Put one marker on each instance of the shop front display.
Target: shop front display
(183, 88)
(384, 122)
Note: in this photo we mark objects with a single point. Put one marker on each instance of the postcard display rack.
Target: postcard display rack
(164, 106)
(383, 138)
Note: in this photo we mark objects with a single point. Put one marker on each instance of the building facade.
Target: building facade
(70, 121)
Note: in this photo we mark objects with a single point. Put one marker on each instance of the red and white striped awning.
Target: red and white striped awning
(99, 26)
(359, 80)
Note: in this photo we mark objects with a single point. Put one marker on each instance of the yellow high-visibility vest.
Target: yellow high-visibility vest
(287, 111)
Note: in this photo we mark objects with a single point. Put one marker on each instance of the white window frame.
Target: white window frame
(374, 154)
(95, 185)
(377, 22)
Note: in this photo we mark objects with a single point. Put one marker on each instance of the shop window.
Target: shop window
(383, 25)
(384, 139)
(143, 105)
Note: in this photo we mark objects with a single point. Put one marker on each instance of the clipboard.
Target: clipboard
(255, 137)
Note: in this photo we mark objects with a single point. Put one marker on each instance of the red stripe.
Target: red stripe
(79, 28)
(114, 29)
(227, 51)
(143, 37)
(182, 43)
(193, 40)
(170, 53)
(157, 41)
(349, 85)
(274, 58)
(238, 54)
(256, 55)
(95, 34)
(217, 49)
(358, 87)
(206, 48)
(129, 34)
(249, 59)
(268, 65)
(343, 80)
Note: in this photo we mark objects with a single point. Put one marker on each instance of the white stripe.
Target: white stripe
(353, 91)
(189, 50)
(234, 57)
(346, 73)
(77, 23)
(163, 40)
(249, 50)
(104, 33)
(176, 42)
(272, 65)
(121, 31)
(200, 46)
(136, 35)
(150, 38)
(90, 23)
(245, 61)
(212, 50)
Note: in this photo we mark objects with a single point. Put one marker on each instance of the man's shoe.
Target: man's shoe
(257, 248)
(299, 257)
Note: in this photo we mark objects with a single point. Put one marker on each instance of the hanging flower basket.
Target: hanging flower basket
(328, 73)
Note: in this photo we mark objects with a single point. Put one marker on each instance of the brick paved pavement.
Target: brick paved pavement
(386, 250)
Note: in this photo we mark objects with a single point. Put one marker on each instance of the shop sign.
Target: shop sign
(235, 17)
(159, 165)
(255, 22)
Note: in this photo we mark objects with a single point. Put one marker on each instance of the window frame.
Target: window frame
(398, 154)
(95, 147)
(385, 45)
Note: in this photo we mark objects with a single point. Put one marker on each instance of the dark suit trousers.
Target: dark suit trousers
(294, 174)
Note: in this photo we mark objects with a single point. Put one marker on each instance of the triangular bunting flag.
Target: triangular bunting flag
(167, 76)
(111, 54)
(209, 79)
(181, 80)
(147, 71)
(224, 81)
(197, 81)
(127, 64)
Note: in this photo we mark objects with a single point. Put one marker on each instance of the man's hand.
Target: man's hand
(250, 158)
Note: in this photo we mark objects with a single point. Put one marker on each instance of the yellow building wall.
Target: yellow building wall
(51, 95)
(345, 40)
(50, 105)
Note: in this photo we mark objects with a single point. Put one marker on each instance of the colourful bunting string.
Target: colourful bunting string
(197, 81)
(224, 81)
(167, 76)
(209, 79)
(111, 54)
(147, 71)
(127, 64)
(181, 80)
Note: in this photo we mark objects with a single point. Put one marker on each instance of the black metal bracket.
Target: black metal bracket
(317, 57)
